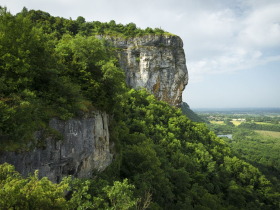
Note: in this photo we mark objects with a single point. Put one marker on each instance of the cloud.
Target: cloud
(262, 27)
(228, 64)
(227, 40)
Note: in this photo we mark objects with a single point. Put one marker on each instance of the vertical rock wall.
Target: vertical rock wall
(85, 148)
(155, 62)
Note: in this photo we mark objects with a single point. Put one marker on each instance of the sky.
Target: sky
(232, 47)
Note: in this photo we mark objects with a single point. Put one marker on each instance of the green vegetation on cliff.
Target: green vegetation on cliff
(42, 77)
(58, 26)
(163, 159)
(31, 193)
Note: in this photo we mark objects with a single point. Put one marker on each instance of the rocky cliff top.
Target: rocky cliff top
(155, 62)
(146, 40)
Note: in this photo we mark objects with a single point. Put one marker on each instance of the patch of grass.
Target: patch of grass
(235, 122)
(272, 134)
(217, 122)
(263, 123)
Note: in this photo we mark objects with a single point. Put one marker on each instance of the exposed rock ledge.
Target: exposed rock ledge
(85, 148)
(155, 62)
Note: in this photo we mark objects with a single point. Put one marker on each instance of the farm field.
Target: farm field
(272, 134)
(263, 123)
(217, 122)
(236, 122)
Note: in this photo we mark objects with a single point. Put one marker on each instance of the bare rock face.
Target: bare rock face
(85, 148)
(155, 62)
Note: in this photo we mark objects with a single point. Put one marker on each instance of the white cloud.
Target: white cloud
(226, 41)
(262, 27)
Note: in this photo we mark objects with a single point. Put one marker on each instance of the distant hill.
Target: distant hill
(190, 114)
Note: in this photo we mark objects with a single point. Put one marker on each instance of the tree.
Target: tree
(121, 195)
(80, 20)
(87, 63)
(30, 193)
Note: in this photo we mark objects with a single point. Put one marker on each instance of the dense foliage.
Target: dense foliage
(259, 149)
(254, 126)
(53, 67)
(256, 143)
(31, 193)
(221, 129)
(42, 77)
(184, 164)
(58, 26)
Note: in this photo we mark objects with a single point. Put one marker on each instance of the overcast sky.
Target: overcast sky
(232, 47)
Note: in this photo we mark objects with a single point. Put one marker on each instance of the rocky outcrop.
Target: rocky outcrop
(85, 148)
(155, 62)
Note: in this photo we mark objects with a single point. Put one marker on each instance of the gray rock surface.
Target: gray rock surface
(85, 148)
(155, 62)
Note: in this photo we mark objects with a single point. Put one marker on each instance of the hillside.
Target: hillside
(56, 70)
(189, 113)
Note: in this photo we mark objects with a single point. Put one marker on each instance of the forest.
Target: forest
(55, 67)
(256, 140)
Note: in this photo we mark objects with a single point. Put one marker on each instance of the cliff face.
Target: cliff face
(85, 147)
(155, 62)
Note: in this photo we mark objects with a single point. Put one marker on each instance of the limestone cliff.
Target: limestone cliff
(155, 62)
(85, 148)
